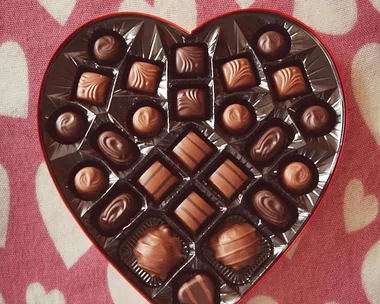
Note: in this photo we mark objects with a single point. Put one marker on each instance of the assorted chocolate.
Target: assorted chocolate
(187, 171)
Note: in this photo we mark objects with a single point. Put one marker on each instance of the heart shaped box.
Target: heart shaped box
(231, 40)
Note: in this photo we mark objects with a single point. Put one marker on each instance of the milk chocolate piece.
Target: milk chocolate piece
(117, 213)
(193, 211)
(157, 180)
(147, 122)
(228, 178)
(144, 77)
(272, 45)
(237, 119)
(117, 149)
(315, 121)
(157, 251)
(238, 75)
(93, 88)
(289, 82)
(199, 289)
(190, 61)
(297, 177)
(191, 151)
(236, 245)
(108, 50)
(90, 182)
(191, 104)
(70, 127)
(268, 145)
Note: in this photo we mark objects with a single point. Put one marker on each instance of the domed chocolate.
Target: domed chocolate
(272, 45)
(237, 119)
(315, 120)
(157, 251)
(70, 127)
(147, 122)
(108, 50)
(297, 177)
(236, 245)
(90, 182)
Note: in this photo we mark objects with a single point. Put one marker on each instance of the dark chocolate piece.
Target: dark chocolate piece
(117, 213)
(190, 61)
(70, 127)
(193, 211)
(270, 144)
(108, 50)
(192, 151)
(191, 104)
(315, 121)
(237, 119)
(147, 122)
(144, 77)
(90, 182)
(157, 251)
(116, 148)
(289, 82)
(157, 180)
(93, 88)
(228, 178)
(272, 45)
(297, 177)
(200, 289)
(236, 245)
(238, 75)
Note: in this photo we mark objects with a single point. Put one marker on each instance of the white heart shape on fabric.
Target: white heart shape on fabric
(376, 4)
(59, 10)
(68, 238)
(245, 3)
(371, 273)
(360, 210)
(14, 83)
(36, 294)
(4, 205)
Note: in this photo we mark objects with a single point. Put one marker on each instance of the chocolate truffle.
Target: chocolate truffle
(117, 213)
(70, 127)
(268, 145)
(157, 180)
(199, 289)
(236, 245)
(191, 104)
(117, 149)
(93, 88)
(191, 151)
(90, 182)
(144, 77)
(297, 177)
(271, 209)
(315, 121)
(147, 122)
(289, 82)
(228, 178)
(157, 251)
(237, 119)
(238, 75)
(108, 50)
(190, 61)
(272, 45)
(193, 211)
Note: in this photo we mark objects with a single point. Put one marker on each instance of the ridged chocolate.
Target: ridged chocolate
(147, 122)
(70, 127)
(315, 120)
(93, 88)
(198, 290)
(238, 75)
(289, 82)
(108, 50)
(90, 182)
(272, 45)
(236, 245)
(190, 61)
(144, 77)
(297, 177)
(157, 251)
(237, 119)
(191, 103)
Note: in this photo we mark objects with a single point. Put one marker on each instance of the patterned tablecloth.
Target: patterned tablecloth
(44, 256)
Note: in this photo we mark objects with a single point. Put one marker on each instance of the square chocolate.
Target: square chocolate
(93, 88)
(192, 104)
(190, 61)
(238, 75)
(144, 77)
(289, 82)
(193, 211)
(157, 180)
(228, 178)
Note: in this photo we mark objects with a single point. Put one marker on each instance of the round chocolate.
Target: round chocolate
(272, 45)
(157, 251)
(236, 119)
(90, 182)
(315, 120)
(297, 177)
(147, 121)
(108, 50)
(116, 148)
(70, 127)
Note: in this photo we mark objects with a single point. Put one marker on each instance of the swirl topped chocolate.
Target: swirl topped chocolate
(190, 61)
(147, 121)
(70, 127)
(289, 82)
(93, 88)
(108, 49)
(191, 104)
(144, 77)
(316, 121)
(237, 119)
(90, 182)
(297, 177)
(238, 75)
(272, 45)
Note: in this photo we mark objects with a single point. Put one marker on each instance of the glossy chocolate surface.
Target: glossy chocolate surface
(147, 122)
(237, 119)
(297, 177)
(70, 127)
(289, 82)
(190, 61)
(272, 45)
(199, 289)
(238, 75)
(144, 77)
(90, 182)
(93, 88)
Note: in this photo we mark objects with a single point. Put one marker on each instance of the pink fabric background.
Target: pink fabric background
(44, 257)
